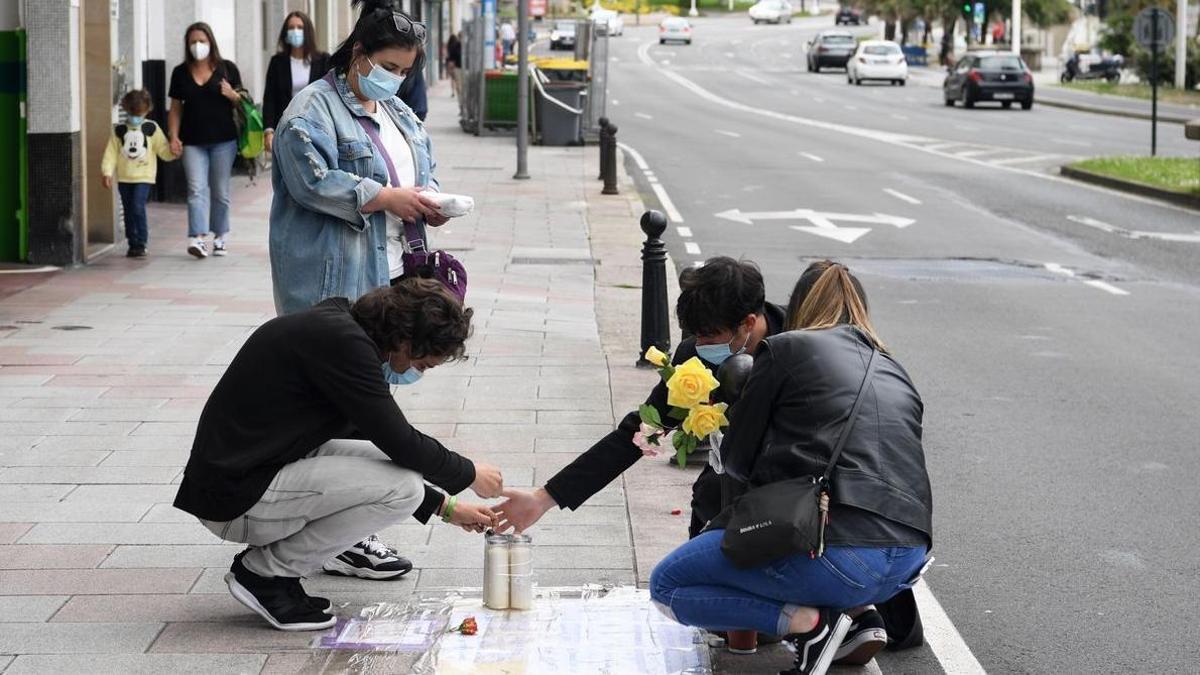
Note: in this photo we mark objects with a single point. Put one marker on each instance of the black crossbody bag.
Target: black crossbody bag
(781, 519)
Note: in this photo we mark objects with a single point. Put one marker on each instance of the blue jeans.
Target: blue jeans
(696, 584)
(208, 168)
(133, 205)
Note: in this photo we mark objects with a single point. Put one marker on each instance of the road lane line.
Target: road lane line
(942, 637)
(899, 117)
(691, 247)
(984, 151)
(685, 232)
(1135, 234)
(615, 102)
(901, 196)
(667, 204)
(1022, 160)
(811, 156)
(643, 116)
(637, 156)
(731, 134)
(753, 78)
(1105, 286)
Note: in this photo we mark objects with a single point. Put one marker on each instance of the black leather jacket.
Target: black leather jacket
(790, 414)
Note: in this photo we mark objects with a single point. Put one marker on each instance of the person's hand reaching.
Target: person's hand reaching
(474, 517)
(523, 508)
(489, 482)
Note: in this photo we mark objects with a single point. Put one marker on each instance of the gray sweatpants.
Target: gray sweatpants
(319, 506)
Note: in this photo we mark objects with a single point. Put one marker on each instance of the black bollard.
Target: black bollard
(610, 164)
(656, 327)
(603, 146)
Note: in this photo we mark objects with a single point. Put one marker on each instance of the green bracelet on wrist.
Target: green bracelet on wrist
(449, 512)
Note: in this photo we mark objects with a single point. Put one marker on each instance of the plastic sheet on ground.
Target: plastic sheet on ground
(569, 631)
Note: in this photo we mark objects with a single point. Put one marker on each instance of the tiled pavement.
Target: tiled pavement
(104, 371)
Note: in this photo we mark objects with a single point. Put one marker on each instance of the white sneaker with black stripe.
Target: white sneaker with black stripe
(369, 559)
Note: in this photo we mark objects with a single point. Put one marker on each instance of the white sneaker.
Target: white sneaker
(198, 248)
(219, 247)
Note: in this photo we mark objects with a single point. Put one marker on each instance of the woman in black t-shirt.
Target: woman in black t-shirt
(203, 94)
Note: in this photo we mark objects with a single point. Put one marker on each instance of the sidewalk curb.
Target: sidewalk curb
(1176, 198)
(1113, 112)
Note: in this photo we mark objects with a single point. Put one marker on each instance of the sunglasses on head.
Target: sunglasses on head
(405, 25)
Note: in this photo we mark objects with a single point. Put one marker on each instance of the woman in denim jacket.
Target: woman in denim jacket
(338, 209)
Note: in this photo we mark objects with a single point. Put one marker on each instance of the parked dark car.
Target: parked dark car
(563, 35)
(830, 49)
(989, 76)
(849, 15)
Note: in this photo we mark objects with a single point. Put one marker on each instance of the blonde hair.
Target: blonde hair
(833, 299)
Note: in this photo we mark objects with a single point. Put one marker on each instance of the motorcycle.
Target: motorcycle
(1106, 68)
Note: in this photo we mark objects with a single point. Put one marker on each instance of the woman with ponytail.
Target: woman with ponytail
(797, 401)
(351, 162)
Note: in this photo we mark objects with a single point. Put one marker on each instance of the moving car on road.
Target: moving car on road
(675, 29)
(849, 15)
(989, 76)
(877, 60)
(771, 11)
(563, 35)
(611, 20)
(830, 49)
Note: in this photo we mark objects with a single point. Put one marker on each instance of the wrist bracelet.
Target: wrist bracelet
(449, 512)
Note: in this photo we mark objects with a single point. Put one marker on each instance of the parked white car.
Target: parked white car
(877, 60)
(675, 29)
(771, 11)
(608, 18)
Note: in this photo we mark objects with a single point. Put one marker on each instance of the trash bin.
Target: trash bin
(501, 97)
(559, 125)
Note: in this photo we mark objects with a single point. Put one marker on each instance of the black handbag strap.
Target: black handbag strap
(849, 426)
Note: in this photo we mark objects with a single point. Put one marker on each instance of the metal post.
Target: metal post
(610, 163)
(1181, 32)
(1015, 33)
(1154, 89)
(603, 143)
(522, 90)
(656, 328)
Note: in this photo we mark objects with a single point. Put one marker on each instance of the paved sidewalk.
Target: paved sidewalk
(104, 370)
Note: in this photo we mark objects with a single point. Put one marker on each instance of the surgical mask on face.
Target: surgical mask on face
(716, 354)
(379, 84)
(295, 37)
(409, 376)
(200, 50)
(136, 120)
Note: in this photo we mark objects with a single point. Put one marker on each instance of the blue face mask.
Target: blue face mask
(409, 376)
(136, 120)
(295, 37)
(716, 354)
(379, 84)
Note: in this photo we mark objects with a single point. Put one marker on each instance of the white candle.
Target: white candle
(520, 565)
(495, 571)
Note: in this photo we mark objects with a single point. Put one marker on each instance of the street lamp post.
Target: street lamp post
(692, 11)
(1016, 27)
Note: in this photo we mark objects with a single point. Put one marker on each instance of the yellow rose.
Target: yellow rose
(691, 384)
(705, 419)
(653, 355)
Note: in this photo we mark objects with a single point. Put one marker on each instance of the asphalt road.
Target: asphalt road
(1054, 351)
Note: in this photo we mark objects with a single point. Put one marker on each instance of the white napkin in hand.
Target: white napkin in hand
(451, 206)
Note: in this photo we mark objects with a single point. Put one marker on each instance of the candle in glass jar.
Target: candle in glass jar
(495, 571)
(520, 565)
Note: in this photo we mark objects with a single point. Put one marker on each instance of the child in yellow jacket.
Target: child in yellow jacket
(132, 154)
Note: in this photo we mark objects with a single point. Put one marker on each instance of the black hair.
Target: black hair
(310, 35)
(375, 30)
(716, 297)
(421, 312)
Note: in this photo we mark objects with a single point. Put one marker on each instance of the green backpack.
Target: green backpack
(250, 127)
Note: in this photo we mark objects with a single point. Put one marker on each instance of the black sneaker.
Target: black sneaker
(865, 638)
(815, 649)
(369, 559)
(275, 599)
(136, 252)
(316, 602)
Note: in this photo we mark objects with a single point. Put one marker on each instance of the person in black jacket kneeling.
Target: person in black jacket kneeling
(297, 64)
(797, 400)
(301, 451)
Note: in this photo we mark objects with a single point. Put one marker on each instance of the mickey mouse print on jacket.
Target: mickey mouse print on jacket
(133, 151)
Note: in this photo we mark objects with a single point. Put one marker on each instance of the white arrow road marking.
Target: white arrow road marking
(748, 217)
(1135, 234)
(901, 196)
(825, 228)
(1094, 283)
